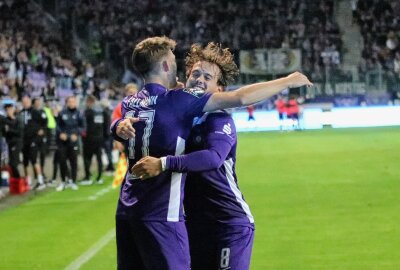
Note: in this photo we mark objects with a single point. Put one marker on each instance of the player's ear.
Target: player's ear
(165, 66)
(220, 88)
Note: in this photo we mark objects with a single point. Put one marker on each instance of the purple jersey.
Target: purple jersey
(214, 195)
(166, 118)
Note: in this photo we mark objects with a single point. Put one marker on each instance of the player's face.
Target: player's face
(204, 75)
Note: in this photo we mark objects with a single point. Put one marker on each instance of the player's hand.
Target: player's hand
(63, 136)
(147, 167)
(125, 130)
(74, 137)
(297, 79)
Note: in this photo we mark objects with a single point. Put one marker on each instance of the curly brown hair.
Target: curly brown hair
(149, 51)
(215, 54)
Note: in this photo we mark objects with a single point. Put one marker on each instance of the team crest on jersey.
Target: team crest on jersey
(197, 92)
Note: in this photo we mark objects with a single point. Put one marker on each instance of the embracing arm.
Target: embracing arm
(211, 158)
(254, 93)
(203, 160)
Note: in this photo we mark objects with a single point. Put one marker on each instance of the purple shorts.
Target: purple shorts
(220, 247)
(145, 245)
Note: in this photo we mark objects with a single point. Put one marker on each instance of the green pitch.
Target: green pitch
(322, 200)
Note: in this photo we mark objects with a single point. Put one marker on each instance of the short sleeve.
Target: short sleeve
(189, 101)
(220, 126)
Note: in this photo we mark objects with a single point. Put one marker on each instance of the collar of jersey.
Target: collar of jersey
(155, 88)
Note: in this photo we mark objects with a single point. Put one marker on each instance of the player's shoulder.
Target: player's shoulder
(220, 115)
(220, 119)
(188, 92)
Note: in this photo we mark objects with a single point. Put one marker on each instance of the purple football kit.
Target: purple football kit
(219, 221)
(151, 233)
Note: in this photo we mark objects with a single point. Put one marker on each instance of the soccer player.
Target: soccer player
(151, 233)
(219, 222)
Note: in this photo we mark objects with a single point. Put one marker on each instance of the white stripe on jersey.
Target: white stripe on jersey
(175, 191)
(239, 197)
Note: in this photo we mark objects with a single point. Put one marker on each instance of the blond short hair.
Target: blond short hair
(215, 54)
(148, 52)
(130, 89)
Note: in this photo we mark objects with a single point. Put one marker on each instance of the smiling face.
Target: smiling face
(205, 75)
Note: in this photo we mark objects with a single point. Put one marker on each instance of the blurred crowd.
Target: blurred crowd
(304, 24)
(37, 61)
(379, 22)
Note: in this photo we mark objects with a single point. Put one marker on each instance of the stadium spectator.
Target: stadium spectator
(379, 29)
(118, 25)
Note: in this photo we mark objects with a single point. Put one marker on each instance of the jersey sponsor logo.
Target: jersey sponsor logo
(197, 92)
(227, 129)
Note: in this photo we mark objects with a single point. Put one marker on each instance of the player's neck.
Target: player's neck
(157, 80)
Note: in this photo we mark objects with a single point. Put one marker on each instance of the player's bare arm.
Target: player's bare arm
(254, 93)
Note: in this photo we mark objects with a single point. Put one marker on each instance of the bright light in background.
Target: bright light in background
(316, 118)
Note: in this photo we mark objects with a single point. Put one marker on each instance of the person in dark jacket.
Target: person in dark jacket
(35, 123)
(93, 139)
(13, 132)
(108, 139)
(42, 140)
(70, 125)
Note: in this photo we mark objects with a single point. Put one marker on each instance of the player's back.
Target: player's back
(165, 121)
